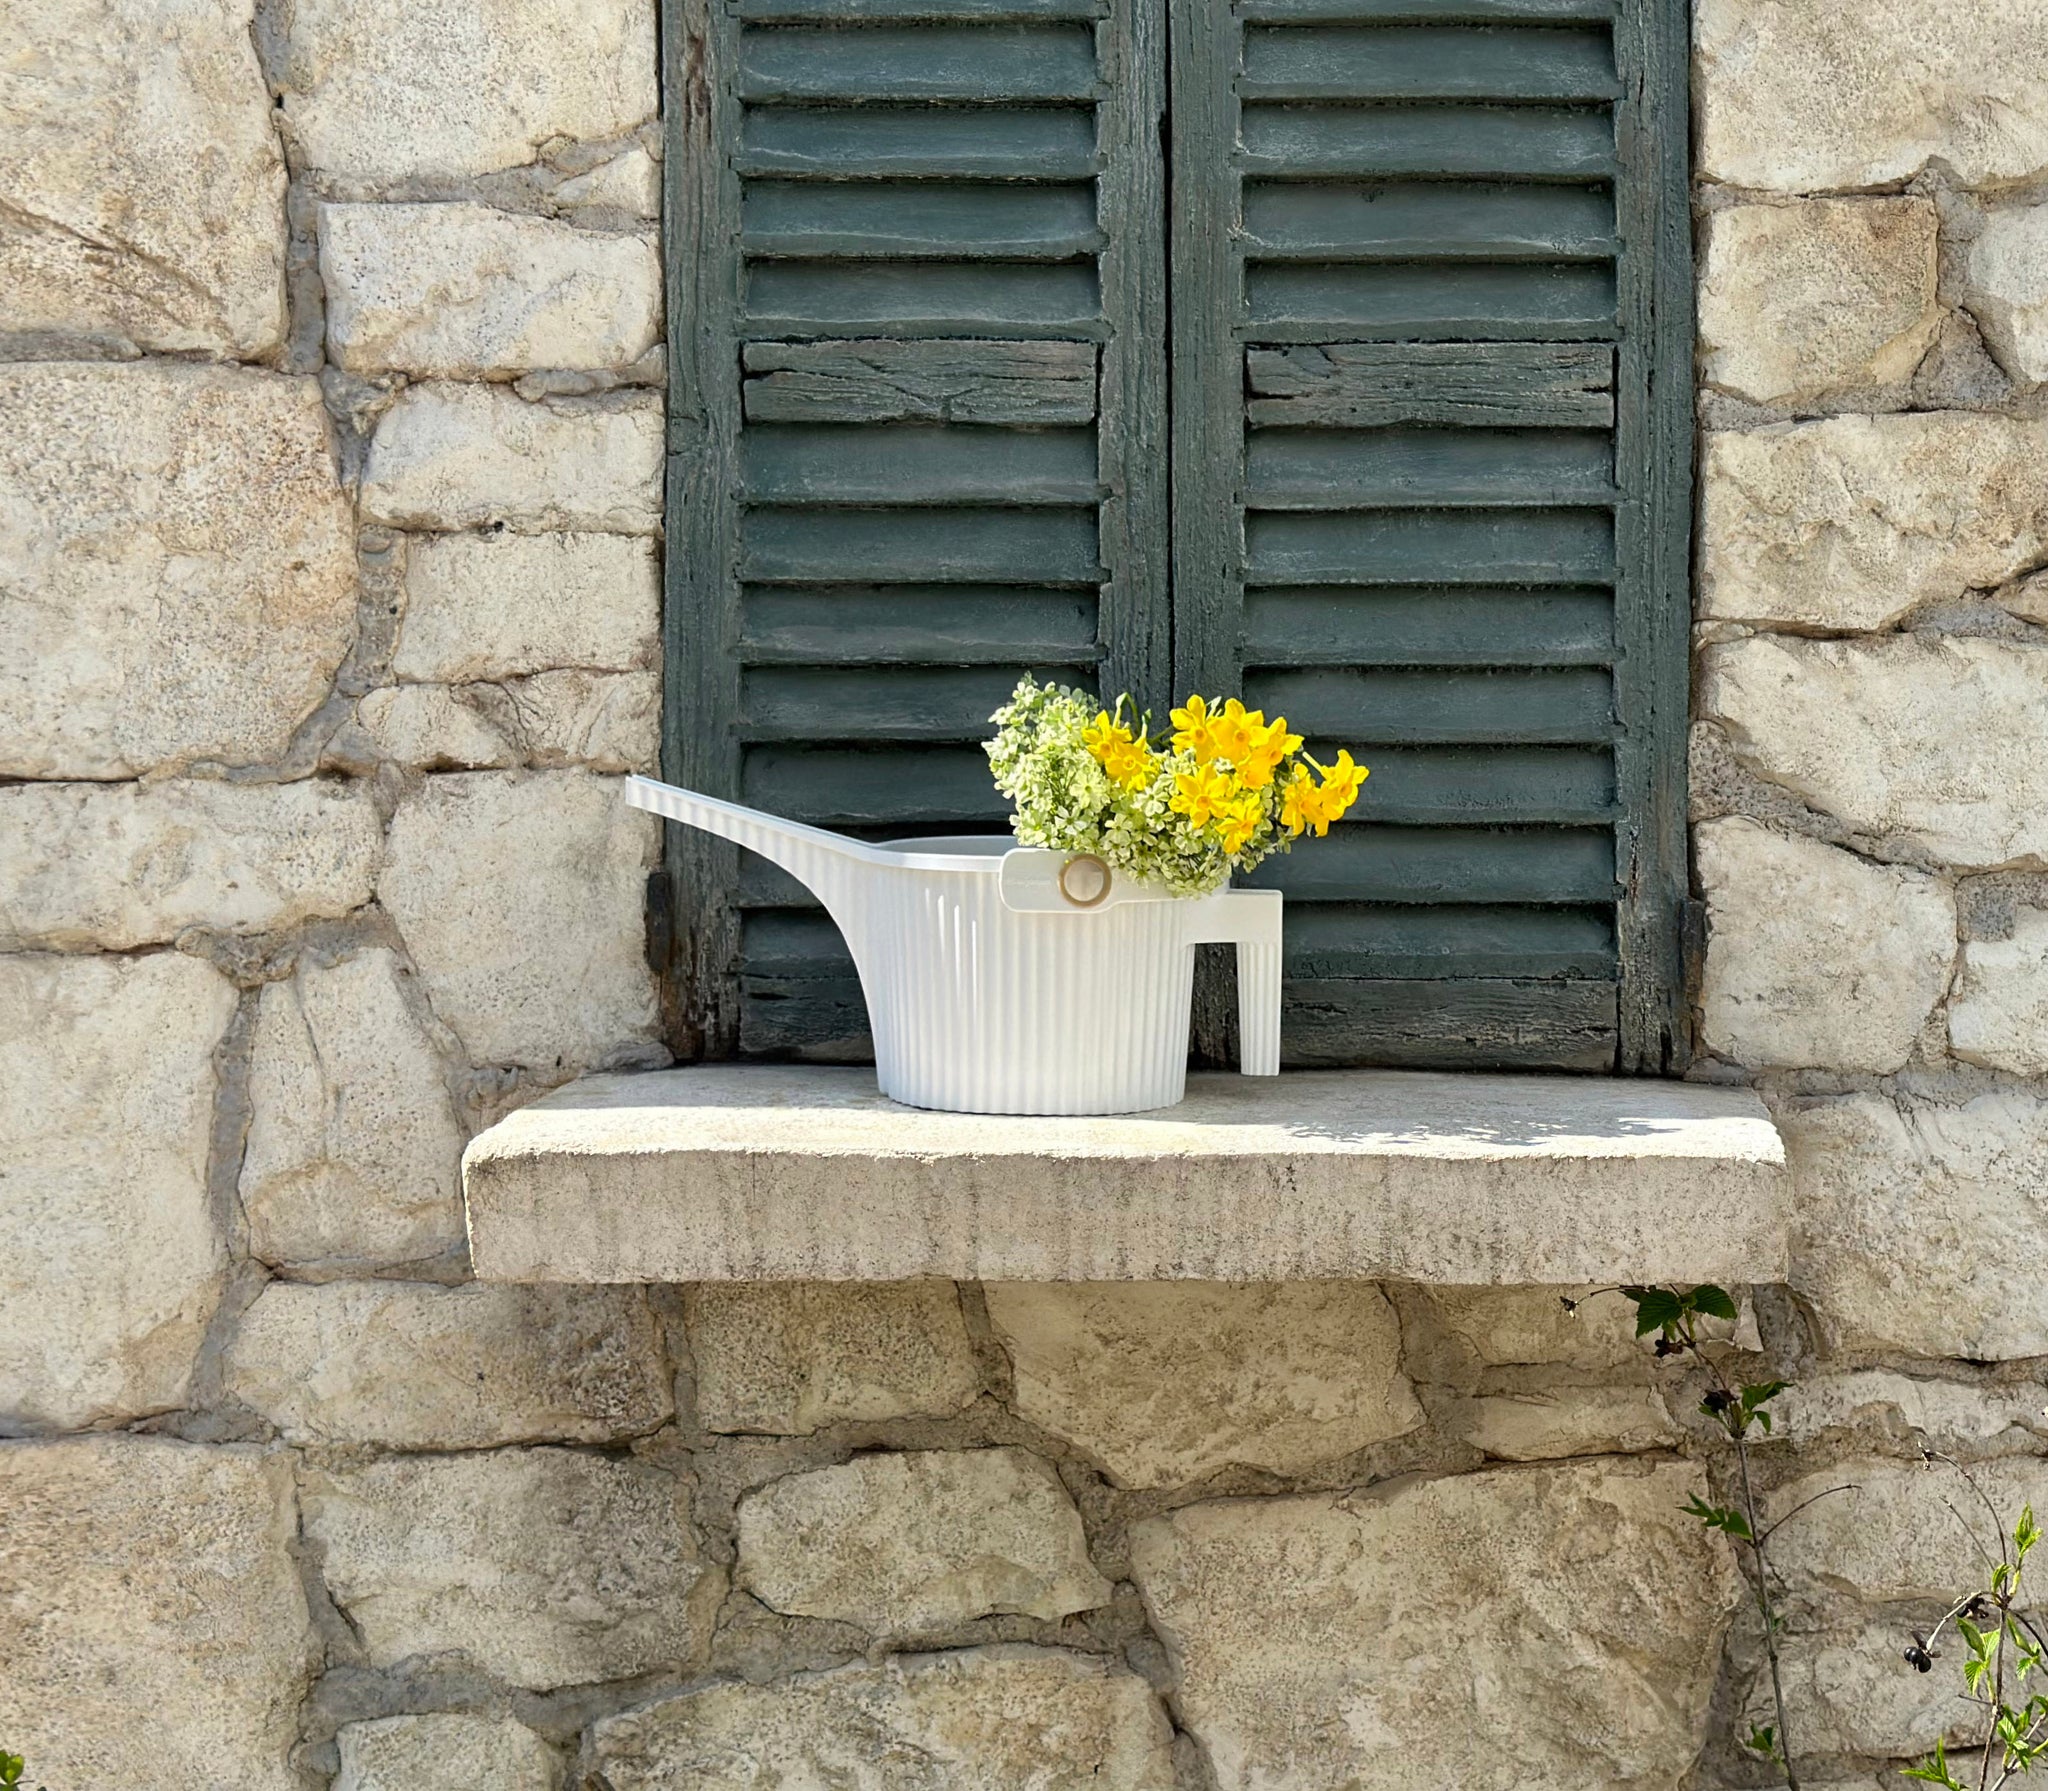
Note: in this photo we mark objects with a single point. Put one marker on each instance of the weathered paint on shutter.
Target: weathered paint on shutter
(1431, 388)
(917, 436)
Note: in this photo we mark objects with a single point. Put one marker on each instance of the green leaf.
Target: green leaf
(1934, 1769)
(1655, 1307)
(1719, 1517)
(2026, 1532)
(1713, 1301)
(1764, 1741)
(1763, 1418)
(1760, 1393)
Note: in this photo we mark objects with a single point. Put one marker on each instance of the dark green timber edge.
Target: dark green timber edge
(1654, 400)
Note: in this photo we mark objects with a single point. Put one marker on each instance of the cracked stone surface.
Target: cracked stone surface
(1817, 958)
(1853, 522)
(180, 583)
(449, 456)
(905, 1542)
(157, 1630)
(412, 1366)
(484, 866)
(141, 184)
(381, 91)
(544, 1567)
(1953, 1189)
(353, 1145)
(1934, 740)
(128, 865)
(1024, 1719)
(107, 1230)
(1167, 1381)
(1329, 1642)
(786, 1358)
(460, 291)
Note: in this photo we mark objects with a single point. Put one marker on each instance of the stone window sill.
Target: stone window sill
(754, 1172)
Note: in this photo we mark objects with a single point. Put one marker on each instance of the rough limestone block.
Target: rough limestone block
(1167, 1381)
(1947, 1415)
(429, 727)
(2008, 288)
(413, 1366)
(522, 897)
(1022, 1719)
(1816, 959)
(1892, 1535)
(465, 457)
(1329, 1643)
(1852, 522)
(354, 1148)
(116, 866)
(501, 606)
(1922, 1227)
(156, 1629)
(1998, 1015)
(1810, 94)
(460, 291)
(179, 582)
(1848, 1692)
(785, 1358)
(630, 183)
(1572, 1421)
(1798, 302)
(109, 1254)
(1933, 739)
(445, 1753)
(141, 183)
(900, 1543)
(1502, 1327)
(604, 721)
(386, 90)
(544, 1567)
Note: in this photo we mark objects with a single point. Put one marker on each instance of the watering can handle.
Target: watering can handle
(1250, 920)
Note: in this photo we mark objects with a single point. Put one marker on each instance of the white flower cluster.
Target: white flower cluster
(1066, 802)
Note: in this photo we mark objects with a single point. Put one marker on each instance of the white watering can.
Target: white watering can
(1006, 979)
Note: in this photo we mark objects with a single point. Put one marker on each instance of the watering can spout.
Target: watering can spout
(828, 864)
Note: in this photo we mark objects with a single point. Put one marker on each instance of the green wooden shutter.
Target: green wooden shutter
(918, 436)
(1427, 294)
(1431, 387)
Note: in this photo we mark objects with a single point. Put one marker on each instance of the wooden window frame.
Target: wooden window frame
(1171, 496)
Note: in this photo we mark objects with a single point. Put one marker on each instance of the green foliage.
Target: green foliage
(2003, 1651)
(12, 1766)
(1720, 1517)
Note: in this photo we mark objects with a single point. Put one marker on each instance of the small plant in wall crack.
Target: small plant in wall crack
(12, 1766)
(1673, 1316)
(2003, 1653)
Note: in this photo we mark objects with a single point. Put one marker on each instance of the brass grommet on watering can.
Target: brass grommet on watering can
(1101, 894)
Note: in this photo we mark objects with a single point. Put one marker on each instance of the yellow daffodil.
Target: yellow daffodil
(1194, 730)
(1239, 819)
(1200, 794)
(1266, 746)
(1341, 783)
(1301, 805)
(1234, 730)
(1128, 760)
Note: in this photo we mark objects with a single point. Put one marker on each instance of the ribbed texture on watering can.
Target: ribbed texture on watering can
(977, 1008)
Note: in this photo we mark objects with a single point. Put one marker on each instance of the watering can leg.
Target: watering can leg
(1250, 920)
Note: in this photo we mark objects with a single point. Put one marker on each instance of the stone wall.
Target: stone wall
(329, 534)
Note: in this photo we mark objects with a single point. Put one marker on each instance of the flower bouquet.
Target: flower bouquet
(1225, 790)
